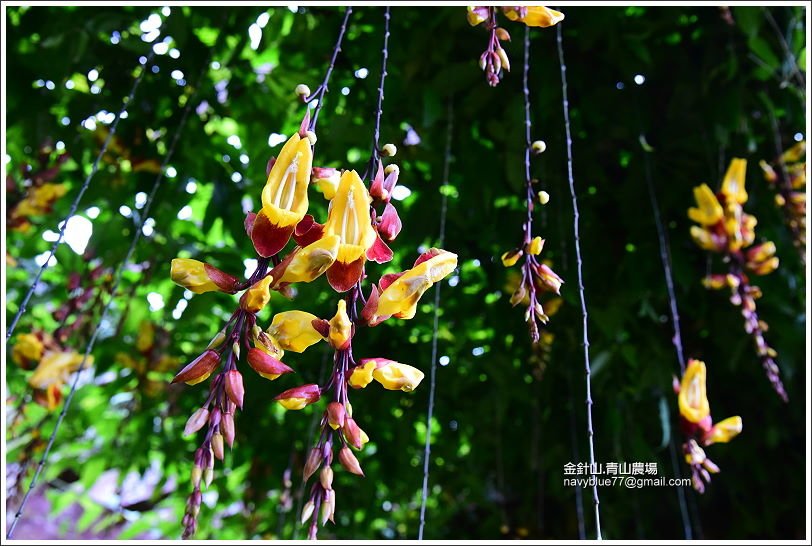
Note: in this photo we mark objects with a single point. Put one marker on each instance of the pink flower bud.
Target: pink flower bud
(352, 432)
(266, 365)
(349, 462)
(234, 387)
(196, 421)
(335, 415)
(390, 225)
(326, 478)
(199, 369)
(217, 446)
(312, 463)
(227, 428)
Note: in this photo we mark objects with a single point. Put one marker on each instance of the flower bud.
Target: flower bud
(208, 476)
(502, 34)
(543, 197)
(217, 340)
(352, 432)
(197, 473)
(326, 180)
(349, 461)
(389, 150)
(328, 506)
(227, 428)
(199, 369)
(510, 257)
(340, 327)
(257, 297)
(302, 91)
(538, 147)
(234, 387)
(391, 169)
(266, 365)
(299, 397)
(335, 415)
(326, 478)
(503, 58)
(312, 463)
(307, 511)
(217, 445)
(390, 225)
(196, 421)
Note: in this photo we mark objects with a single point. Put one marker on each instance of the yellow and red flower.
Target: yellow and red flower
(200, 277)
(349, 218)
(284, 197)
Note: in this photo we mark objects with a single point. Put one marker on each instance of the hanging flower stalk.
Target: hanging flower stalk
(697, 425)
(537, 277)
(363, 232)
(724, 228)
(494, 60)
(787, 177)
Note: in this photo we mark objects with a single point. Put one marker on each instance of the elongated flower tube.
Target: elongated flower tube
(284, 197)
(349, 218)
(200, 277)
(400, 298)
(395, 376)
(293, 330)
(534, 16)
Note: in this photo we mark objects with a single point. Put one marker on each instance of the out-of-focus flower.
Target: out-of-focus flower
(27, 350)
(326, 180)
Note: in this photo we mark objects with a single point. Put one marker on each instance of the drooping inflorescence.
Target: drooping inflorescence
(725, 229)
(787, 177)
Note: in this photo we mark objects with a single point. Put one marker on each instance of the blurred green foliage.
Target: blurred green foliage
(504, 428)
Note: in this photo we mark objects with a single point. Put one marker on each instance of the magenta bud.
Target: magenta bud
(196, 421)
(227, 428)
(349, 461)
(199, 369)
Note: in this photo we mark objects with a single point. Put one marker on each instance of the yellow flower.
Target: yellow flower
(340, 327)
(693, 398)
(349, 219)
(536, 16)
(311, 261)
(510, 257)
(293, 330)
(201, 277)
(709, 211)
(396, 376)
(28, 349)
(257, 297)
(39, 199)
(724, 431)
(361, 375)
(284, 197)
(400, 298)
(55, 368)
(733, 183)
(146, 336)
(535, 246)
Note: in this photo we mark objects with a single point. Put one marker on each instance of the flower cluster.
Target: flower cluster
(494, 59)
(38, 193)
(699, 429)
(789, 183)
(52, 363)
(359, 224)
(724, 228)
